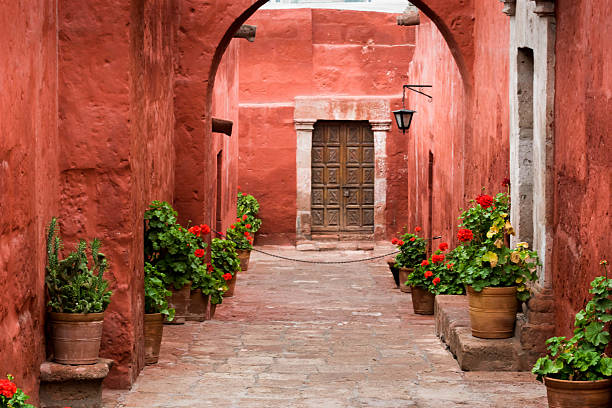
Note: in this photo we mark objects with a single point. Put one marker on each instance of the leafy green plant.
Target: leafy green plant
(175, 251)
(224, 257)
(583, 357)
(73, 287)
(483, 259)
(240, 235)
(247, 209)
(413, 249)
(11, 396)
(156, 294)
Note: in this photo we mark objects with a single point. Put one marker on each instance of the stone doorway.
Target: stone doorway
(342, 200)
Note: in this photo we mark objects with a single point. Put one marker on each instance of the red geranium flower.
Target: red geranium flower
(239, 188)
(436, 280)
(227, 276)
(412, 239)
(428, 274)
(400, 242)
(204, 229)
(244, 194)
(484, 200)
(199, 252)
(505, 182)
(238, 220)
(443, 246)
(246, 233)
(248, 226)
(437, 258)
(418, 229)
(244, 217)
(209, 267)
(465, 235)
(195, 230)
(232, 226)
(425, 262)
(394, 241)
(450, 265)
(7, 388)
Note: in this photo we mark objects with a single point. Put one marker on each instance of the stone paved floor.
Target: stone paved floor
(298, 335)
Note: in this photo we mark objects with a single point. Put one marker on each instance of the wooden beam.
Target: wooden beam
(410, 17)
(246, 31)
(222, 126)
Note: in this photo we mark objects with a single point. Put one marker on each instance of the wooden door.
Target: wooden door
(342, 177)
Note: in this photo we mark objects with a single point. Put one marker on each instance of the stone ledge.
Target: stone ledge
(452, 325)
(55, 372)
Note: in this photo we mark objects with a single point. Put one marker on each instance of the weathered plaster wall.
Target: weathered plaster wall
(313, 52)
(28, 181)
(225, 106)
(116, 121)
(583, 152)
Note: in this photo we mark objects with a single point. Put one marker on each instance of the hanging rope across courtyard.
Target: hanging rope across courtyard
(371, 258)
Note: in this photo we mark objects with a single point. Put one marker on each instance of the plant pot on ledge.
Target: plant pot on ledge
(244, 255)
(571, 394)
(231, 284)
(179, 301)
(492, 312)
(422, 301)
(76, 337)
(403, 277)
(153, 333)
(198, 306)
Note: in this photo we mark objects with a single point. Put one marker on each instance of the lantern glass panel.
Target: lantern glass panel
(403, 118)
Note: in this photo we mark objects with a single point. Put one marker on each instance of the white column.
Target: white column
(303, 128)
(380, 129)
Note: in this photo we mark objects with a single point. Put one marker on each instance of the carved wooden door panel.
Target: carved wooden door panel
(342, 177)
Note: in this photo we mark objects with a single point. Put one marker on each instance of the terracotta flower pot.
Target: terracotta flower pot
(76, 337)
(422, 301)
(492, 312)
(153, 332)
(394, 271)
(244, 255)
(211, 311)
(583, 394)
(198, 305)
(403, 277)
(231, 286)
(179, 301)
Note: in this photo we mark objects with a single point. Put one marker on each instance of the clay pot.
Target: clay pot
(244, 255)
(211, 311)
(198, 305)
(231, 286)
(394, 271)
(492, 312)
(422, 301)
(179, 301)
(153, 332)
(403, 277)
(583, 394)
(76, 337)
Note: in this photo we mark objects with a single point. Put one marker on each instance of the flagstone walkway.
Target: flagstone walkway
(302, 335)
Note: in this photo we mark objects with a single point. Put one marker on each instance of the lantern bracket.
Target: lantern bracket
(414, 90)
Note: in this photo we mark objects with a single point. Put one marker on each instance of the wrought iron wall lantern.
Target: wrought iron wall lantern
(403, 117)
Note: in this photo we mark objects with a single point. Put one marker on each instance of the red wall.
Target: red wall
(28, 181)
(583, 153)
(116, 131)
(313, 52)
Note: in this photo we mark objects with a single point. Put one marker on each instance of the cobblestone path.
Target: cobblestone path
(299, 335)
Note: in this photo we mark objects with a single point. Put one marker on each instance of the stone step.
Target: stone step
(452, 325)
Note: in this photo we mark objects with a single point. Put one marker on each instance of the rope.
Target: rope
(372, 258)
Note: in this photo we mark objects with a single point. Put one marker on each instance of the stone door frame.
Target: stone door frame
(309, 110)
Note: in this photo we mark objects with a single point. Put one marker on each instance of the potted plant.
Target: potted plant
(199, 299)
(248, 206)
(495, 275)
(450, 281)
(156, 308)
(241, 236)
(412, 252)
(11, 396)
(78, 297)
(225, 262)
(175, 252)
(577, 372)
(424, 280)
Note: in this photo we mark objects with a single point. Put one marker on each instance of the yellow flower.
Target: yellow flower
(522, 245)
(515, 257)
(509, 229)
(499, 243)
(519, 280)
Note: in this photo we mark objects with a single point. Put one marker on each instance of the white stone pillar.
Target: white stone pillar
(303, 128)
(380, 128)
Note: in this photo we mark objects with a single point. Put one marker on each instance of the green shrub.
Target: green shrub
(247, 209)
(156, 294)
(413, 249)
(73, 287)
